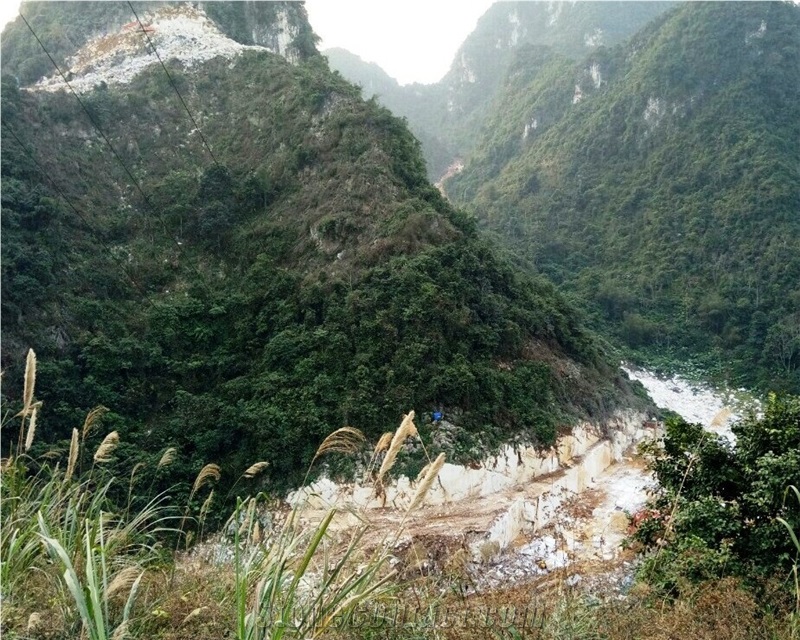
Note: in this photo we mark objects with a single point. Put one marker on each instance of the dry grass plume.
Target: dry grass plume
(406, 430)
(383, 443)
(106, 448)
(167, 458)
(209, 472)
(255, 469)
(31, 428)
(92, 419)
(30, 382)
(431, 472)
(123, 581)
(344, 440)
(73, 455)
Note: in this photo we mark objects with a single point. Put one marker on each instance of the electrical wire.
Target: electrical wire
(174, 86)
(110, 146)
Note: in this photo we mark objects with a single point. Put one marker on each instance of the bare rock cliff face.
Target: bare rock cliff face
(281, 27)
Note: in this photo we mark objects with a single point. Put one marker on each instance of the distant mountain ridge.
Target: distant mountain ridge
(661, 182)
(446, 115)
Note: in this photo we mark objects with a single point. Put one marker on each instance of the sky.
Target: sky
(412, 40)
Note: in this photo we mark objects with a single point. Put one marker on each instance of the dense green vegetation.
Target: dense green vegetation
(419, 104)
(311, 279)
(723, 509)
(667, 195)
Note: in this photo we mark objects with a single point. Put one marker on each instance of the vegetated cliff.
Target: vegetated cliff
(660, 181)
(448, 116)
(242, 305)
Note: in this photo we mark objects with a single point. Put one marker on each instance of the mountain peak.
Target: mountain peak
(107, 44)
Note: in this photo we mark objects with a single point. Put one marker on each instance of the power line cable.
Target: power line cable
(180, 97)
(96, 234)
(174, 86)
(108, 142)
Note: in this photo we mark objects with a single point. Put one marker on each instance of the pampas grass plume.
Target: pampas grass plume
(91, 420)
(107, 446)
(431, 473)
(344, 440)
(121, 632)
(30, 381)
(73, 455)
(123, 581)
(406, 430)
(206, 506)
(167, 458)
(383, 443)
(254, 469)
(31, 428)
(209, 472)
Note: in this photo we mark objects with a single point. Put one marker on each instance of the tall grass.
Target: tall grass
(292, 584)
(66, 544)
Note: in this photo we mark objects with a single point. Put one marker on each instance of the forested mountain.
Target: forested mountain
(660, 182)
(448, 115)
(242, 268)
(416, 102)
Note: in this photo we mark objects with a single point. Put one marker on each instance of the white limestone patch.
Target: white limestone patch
(467, 74)
(554, 10)
(183, 33)
(530, 127)
(696, 402)
(758, 33)
(597, 77)
(594, 39)
(517, 30)
(654, 111)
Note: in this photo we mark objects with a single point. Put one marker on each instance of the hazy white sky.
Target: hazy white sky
(412, 40)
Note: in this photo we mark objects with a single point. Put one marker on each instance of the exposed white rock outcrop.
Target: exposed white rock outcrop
(594, 39)
(696, 402)
(517, 30)
(467, 74)
(184, 33)
(581, 468)
(278, 37)
(758, 33)
(594, 72)
(654, 111)
(554, 9)
(546, 478)
(530, 126)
